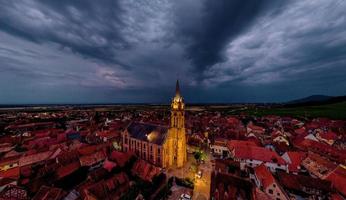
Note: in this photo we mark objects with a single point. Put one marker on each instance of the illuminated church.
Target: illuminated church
(160, 145)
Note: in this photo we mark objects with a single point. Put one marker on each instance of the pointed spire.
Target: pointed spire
(177, 89)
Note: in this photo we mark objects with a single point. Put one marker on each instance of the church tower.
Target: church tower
(176, 139)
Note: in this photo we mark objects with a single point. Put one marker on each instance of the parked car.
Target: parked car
(199, 174)
(185, 197)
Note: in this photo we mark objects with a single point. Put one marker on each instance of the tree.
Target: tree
(199, 156)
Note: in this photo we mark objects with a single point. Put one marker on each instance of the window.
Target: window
(158, 151)
(270, 191)
(274, 185)
(278, 194)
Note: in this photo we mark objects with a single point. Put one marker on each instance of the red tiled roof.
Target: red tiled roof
(10, 173)
(89, 149)
(120, 158)
(330, 135)
(232, 143)
(261, 195)
(145, 170)
(112, 188)
(321, 148)
(299, 182)
(92, 159)
(338, 179)
(9, 160)
(107, 134)
(48, 193)
(255, 128)
(251, 151)
(109, 165)
(34, 158)
(13, 192)
(67, 169)
(296, 159)
(300, 130)
(264, 175)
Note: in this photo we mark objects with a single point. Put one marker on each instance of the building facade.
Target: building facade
(160, 145)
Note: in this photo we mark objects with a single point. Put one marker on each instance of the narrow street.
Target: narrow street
(202, 186)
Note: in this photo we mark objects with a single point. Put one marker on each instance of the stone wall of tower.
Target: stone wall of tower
(175, 144)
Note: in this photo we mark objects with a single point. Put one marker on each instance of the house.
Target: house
(107, 135)
(34, 158)
(48, 193)
(121, 158)
(317, 165)
(13, 172)
(251, 128)
(264, 180)
(13, 192)
(328, 137)
(338, 179)
(145, 170)
(4, 182)
(250, 155)
(304, 186)
(334, 154)
(66, 170)
(92, 159)
(225, 186)
(294, 159)
(9, 163)
(219, 148)
(112, 188)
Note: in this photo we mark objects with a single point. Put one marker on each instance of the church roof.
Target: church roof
(148, 132)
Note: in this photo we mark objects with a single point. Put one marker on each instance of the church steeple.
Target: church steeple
(177, 88)
(176, 139)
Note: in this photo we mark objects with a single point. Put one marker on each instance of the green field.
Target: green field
(332, 111)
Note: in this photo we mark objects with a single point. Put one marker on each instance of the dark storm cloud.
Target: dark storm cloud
(89, 28)
(130, 50)
(215, 26)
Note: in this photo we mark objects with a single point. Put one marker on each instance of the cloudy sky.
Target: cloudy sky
(87, 51)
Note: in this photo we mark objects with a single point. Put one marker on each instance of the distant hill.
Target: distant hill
(312, 98)
(316, 100)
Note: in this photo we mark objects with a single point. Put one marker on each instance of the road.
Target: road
(202, 186)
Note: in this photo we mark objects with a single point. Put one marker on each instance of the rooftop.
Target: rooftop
(148, 132)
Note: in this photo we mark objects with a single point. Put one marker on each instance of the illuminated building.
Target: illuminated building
(160, 145)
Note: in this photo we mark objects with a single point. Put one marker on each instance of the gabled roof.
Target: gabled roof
(295, 159)
(34, 158)
(338, 179)
(247, 150)
(121, 158)
(264, 175)
(92, 159)
(299, 182)
(148, 132)
(67, 169)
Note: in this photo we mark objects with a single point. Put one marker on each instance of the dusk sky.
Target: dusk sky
(118, 51)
